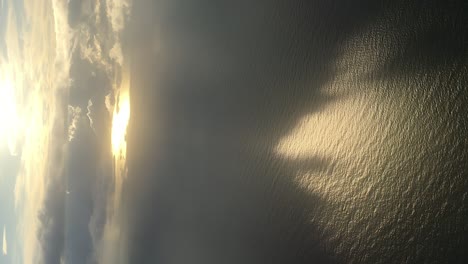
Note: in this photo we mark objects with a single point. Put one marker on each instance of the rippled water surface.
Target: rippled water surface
(300, 133)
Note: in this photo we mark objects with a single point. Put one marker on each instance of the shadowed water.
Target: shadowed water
(308, 132)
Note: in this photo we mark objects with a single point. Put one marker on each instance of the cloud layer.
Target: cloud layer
(37, 62)
(74, 115)
(41, 46)
(100, 85)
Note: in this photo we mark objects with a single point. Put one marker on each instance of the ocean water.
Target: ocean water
(305, 132)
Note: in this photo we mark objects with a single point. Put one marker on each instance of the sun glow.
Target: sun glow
(112, 233)
(120, 118)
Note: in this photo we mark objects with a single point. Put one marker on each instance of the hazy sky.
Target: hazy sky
(177, 131)
(60, 69)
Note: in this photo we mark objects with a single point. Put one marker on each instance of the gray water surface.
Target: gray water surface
(305, 132)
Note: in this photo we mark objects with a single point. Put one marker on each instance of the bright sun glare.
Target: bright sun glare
(120, 119)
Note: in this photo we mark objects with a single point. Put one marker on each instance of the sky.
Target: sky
(4, 243)
(49, 52)
(175, 131)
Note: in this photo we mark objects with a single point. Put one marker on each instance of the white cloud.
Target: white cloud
(109, 101)
(116, 53)
(97, 11)
(90, 47)
(88, 114)
(74, 115)
(4, 245)
(118, 12)
(99, 46)
(38, 52)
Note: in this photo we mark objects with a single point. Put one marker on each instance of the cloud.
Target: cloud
(5, 246)
(110, 101)
(98, 43)
(118, 12)
(98, 39)
(106, 225)
(116, 53)
(91, 47)
(101, 193)
(97, 11)
(51, 233)
(88, 114)
(38, 63)
(74, 115)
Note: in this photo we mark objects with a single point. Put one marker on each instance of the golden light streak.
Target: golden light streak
(113, 235)
(120, 119)
(121, 116)
(5, 247)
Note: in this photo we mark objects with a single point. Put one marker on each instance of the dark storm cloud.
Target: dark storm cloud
(81, 11)
(94, 70)
(95, 52)
(74, 12)
(51, 232)
(101, 191)
(88, 183)
(52, 219)
(83, 176)
(82, 173)
(89, 81)
(101, 182)
(89, 166)
(99, 116)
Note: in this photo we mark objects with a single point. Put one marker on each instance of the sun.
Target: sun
(120, 119)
